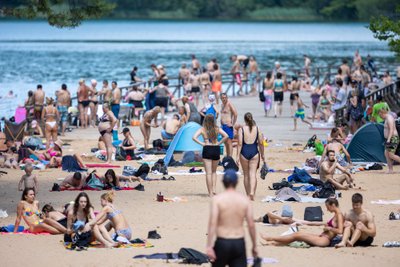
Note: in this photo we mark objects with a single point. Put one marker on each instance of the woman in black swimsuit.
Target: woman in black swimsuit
(249, 153)
(128, 144)
(211, 150)
(106, 126)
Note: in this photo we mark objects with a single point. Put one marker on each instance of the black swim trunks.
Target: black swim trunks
(85, 103)
(292, 95)
(278, 96)
(364, 243)
(161, 102)
(231, 252)
(136, 103)
(211, 152)
(195, 89)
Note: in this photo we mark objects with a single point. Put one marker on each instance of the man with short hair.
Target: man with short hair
(116, 99)
(359, 224)
(345, 67)
(392, 139)
(134, 77)
(38, 97)
(83, 102)
(184, 74)
(171, 127)
(228, 211)
(327, 170)
(74, 181)
(228, 121)
(106, 91)
(380, 104)
(196, 67)
(63, 103)
(341, 96)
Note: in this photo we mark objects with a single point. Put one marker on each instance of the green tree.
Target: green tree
(388, 29)
(59, 13)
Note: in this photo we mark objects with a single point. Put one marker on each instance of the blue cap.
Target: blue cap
(230, 176)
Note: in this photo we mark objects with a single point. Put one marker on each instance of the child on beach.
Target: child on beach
(300, 112)
(28, 179)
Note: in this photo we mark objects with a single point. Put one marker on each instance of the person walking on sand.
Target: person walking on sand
(268, 86)
(392, 139)
(300, 112)
(228, 121)
(211, 150)
(278, 94)
(249, 153)
(228, 211)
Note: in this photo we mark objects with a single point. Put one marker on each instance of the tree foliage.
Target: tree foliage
(388, 29)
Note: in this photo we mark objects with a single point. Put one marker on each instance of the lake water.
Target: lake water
(34, 52)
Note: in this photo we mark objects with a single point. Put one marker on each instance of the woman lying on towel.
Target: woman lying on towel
(79, 217)
(28, 208)
(111, 180)
(333, 228)
(111, 217)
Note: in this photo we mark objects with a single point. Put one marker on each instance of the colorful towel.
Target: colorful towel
(136, 243)
(92, 189)
(101, 165)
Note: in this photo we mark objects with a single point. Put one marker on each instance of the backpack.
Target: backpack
(191, 256)
(319, 148)
(229, 163)
(120, 154)
(280, 185)
(158, 144)
(211, 110)
(82, 239)
(313, 214)
(160, 167)
(326, 191)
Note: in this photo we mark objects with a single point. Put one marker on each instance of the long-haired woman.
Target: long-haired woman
(211, 150)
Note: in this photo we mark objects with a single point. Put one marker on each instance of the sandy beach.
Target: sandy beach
(184, 224)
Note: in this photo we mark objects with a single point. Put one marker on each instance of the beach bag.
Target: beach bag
(313, 214)
(261, 96)
(158, 144)
(264, 171)
(319, 148)
(326, 191)
(192, 256)
(229, 163)
(299, 175)
(94, 182)
(82, 239)
(281, 184)
(120, 154)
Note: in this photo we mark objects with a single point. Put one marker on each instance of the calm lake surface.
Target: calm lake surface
(34, 52)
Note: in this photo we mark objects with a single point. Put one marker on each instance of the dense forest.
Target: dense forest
(268, 10)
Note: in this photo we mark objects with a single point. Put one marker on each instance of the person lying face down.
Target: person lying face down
(74, 181)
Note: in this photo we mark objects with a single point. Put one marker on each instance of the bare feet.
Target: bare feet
(340, 245)
(349, 244)
(266, 238)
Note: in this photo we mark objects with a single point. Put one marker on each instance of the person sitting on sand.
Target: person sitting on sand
(28, 209)
(300, 112)
(29, 180)
(111, 180)
(128, 144)
(359, 224)
(338, 148)
(50, 214)
(171, 127)
(80, 214)
(74, 181)
(111, 215)
(145, 124)
(36, 129)
(10, 158)
(327, 170)
(333, 228)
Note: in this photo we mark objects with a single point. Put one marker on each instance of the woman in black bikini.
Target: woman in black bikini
(94, 103)
(128, 145)
(106, 126)
(333, 228)
(211, 150)
(249, 153)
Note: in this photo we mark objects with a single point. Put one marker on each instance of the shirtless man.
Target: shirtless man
(63, 103)
(338, 148)
(217, 82)
(228, 120)
(74, 181)
(116, 99)
(345, 68)
(106, 91)
(228, 211)
(210, 65)
(184, 74)
(83, 102)
(38, 97)
(327, 170)
(253, 69)
(359, 224)
(194, 81)
(196, 67)
(94, 103)
(357, 61)
(205, 84)
(171, 127)
(145, 124)
(392, 139)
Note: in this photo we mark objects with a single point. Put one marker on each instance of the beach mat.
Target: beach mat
(93, 189)
(135, 243)
(101, 165)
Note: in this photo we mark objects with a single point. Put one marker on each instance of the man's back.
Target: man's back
(232, 209)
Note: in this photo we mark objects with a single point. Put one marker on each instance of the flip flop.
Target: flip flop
(171, 178)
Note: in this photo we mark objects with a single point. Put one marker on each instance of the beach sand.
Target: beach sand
(184, 224)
